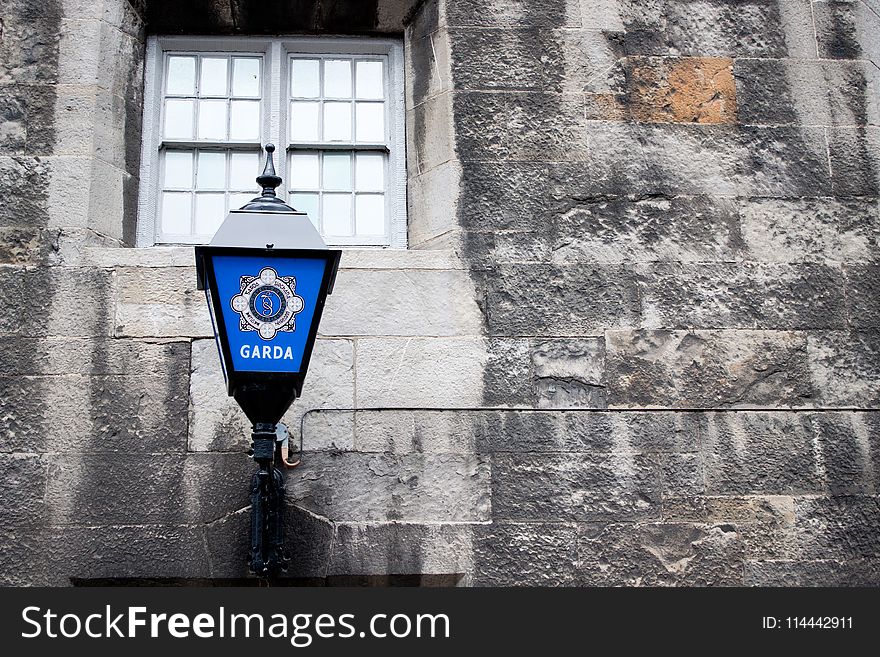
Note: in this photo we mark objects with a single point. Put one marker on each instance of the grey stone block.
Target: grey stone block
(784, 296)
(507, 59)
(23, 552)
(381, 487)
(402, 549)
(160, 302)
(520, 126)
(570, 487)
(634, 229)
(844, 368)
(848, 445)
(22, 491)
(762, 453)
(706, 369)
(664, 554)
(72, 302)
(549, 300)
(503, 195)
(402, 302)
(810, 229)
(508, 379)
(127, 552)
(755, 28)
(839, 529)
(807, 92)
(527, 554)
(847, 30)
(420, 372)
(570, 373)
(427, 432)
(854, 162)
(856, 572)
(29, 51)
(863, 295)
(513, 14)
(702, 159)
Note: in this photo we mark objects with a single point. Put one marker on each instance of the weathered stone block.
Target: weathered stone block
(513, 13)
(401, 549)
(520, 126)
(550, 300)
(23, 553)
(863, 295)
(857, 572)
(72, 302)
(507, 59)
(430, 134)
(428, 432)
(414, 372)
(847, 445)
(681, 90)
(121, 552)
(762, 454)
(785, 296)
(839, 529)
(129, 488)
(845, 368)
(496, 195)
(706, 369)
(854, 162)
(529, 554)
(382, 487)
(659, 555)
(324, 430)
(29, 49)
(22, 491)
(626, 229)
(402, 302)
(755, 28)
(568, 487)
(814, 229)
(807, 92)
(704, 159)
(160, 302)
(570, 373)
(508, 378)
(847, 30)
(432, 209)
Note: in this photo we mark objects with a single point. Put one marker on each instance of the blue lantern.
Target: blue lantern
(266, 274)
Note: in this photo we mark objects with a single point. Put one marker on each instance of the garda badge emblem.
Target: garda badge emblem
(267, 303)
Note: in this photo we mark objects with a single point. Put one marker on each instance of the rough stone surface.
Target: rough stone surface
(634, 339)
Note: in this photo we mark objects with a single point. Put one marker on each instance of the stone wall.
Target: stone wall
(634, 339)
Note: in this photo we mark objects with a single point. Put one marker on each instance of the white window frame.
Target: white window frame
(276, 52)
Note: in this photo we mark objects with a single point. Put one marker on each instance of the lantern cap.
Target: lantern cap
(268, 200)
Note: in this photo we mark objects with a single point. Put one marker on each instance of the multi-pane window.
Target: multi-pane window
(334, 104)
(338, 143)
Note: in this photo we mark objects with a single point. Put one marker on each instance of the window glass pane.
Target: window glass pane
(370, 172)
(369, 80)
(304, 78)
(307, 203)
(337, 171)
(244, 119)
(370, 122)
(178, 170)
(304, 121)
(178, 119)
(176, 209)
(370, 214)
(212, 119)
(337, 78)
(243, 171)
(212, 81)
(304, 171)
(238, 200)
(245, 76)
(181, 76)
(212, 170)
(337, 121)
(337, 214)
(210, 213)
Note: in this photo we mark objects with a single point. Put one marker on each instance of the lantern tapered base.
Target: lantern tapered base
(264, 402)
